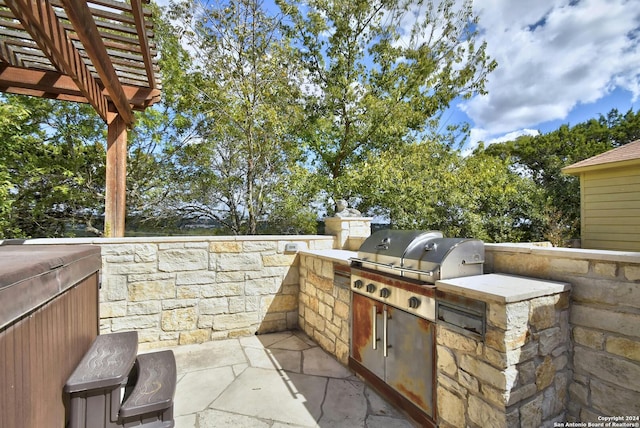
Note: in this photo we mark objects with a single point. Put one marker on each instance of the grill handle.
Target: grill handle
(374, 329)
(369, 262)
(472, 262)
(423, 272)
(392, 266)
(385, 327)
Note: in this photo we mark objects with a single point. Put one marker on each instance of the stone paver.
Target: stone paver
(345, 404)
(316, 362)
(202, 387)
(274, 395)
(274, 381)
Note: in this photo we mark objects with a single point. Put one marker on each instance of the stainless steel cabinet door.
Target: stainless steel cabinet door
(366, 331)
(410, 360)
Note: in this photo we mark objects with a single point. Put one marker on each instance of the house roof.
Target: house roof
(93, 51)
(628, 154)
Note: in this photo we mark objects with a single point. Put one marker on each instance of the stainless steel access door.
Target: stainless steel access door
(410, 358)
(397, 347)
(366, 331)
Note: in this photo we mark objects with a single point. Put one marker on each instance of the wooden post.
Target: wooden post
(116, 182)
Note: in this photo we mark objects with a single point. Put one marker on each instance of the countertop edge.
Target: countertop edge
(492, 288)
(338, 256)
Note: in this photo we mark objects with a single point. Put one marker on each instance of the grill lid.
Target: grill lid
(422, 255)
(444, 258)
(386, 248)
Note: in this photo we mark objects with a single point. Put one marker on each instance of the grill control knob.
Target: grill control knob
(358, 283)
(371, 288)
(414, 302)
(385, 292)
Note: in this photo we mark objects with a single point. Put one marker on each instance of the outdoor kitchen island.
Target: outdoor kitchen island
(513, 373)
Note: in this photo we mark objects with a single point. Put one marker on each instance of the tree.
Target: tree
(54, 158)
(242, 113)
(378, 74)
(428, 185)
(541, 158)
(498, 204)
(13, 120)
(160, 134)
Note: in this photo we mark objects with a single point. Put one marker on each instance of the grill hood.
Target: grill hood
(423, 255)
(384, 250)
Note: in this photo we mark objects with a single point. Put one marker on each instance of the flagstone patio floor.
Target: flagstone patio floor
(274, 380)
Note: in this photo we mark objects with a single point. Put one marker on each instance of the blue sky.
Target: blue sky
(559, 61)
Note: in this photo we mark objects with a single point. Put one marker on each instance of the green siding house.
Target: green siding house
(610, 198)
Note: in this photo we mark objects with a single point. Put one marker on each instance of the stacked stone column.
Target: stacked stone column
(517, 376)
(349, 232)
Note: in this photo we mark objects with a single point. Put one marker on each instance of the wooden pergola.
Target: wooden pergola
(97, 52)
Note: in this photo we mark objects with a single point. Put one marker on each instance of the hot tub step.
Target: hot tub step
(150, 403)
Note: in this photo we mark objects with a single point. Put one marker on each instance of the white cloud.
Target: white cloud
(483, 135)
(552, 56)
(513, 135)
(162, 3)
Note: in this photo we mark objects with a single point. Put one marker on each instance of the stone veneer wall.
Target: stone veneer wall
(604, 320)
(324, 306)
(181, 290)
(517, 377)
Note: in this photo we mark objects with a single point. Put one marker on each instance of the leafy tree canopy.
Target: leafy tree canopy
(241, 95)
(430, 186)
(378, 74)
(51, 165)
(542, 157)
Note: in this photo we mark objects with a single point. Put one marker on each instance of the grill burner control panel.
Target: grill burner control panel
(413, 297)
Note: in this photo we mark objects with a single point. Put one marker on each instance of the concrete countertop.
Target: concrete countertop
(501, 288)
(339, 256)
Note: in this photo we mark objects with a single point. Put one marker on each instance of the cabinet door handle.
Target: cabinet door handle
(374, 329)
(385, 326)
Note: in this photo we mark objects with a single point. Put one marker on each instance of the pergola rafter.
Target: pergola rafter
(39, 19)
(99, 52)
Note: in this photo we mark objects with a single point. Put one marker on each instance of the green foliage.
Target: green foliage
(372, 81)
(288, 215)
(12, 120)
(430, 186)
(52, 166)
(266, 117)
(542, 157)
(241, 103)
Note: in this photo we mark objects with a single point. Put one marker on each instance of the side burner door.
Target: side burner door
(366, 322)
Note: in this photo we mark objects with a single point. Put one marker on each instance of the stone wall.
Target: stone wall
(181, 290)
(604, 320)
(324, 307)
(516, 377)
(349, 232)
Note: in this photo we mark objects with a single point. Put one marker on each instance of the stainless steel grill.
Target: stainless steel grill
(395, 308)
(423, 255)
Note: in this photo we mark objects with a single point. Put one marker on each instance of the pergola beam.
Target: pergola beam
(52, 84)
(80, 16)
(89, 51)
(40, 21)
